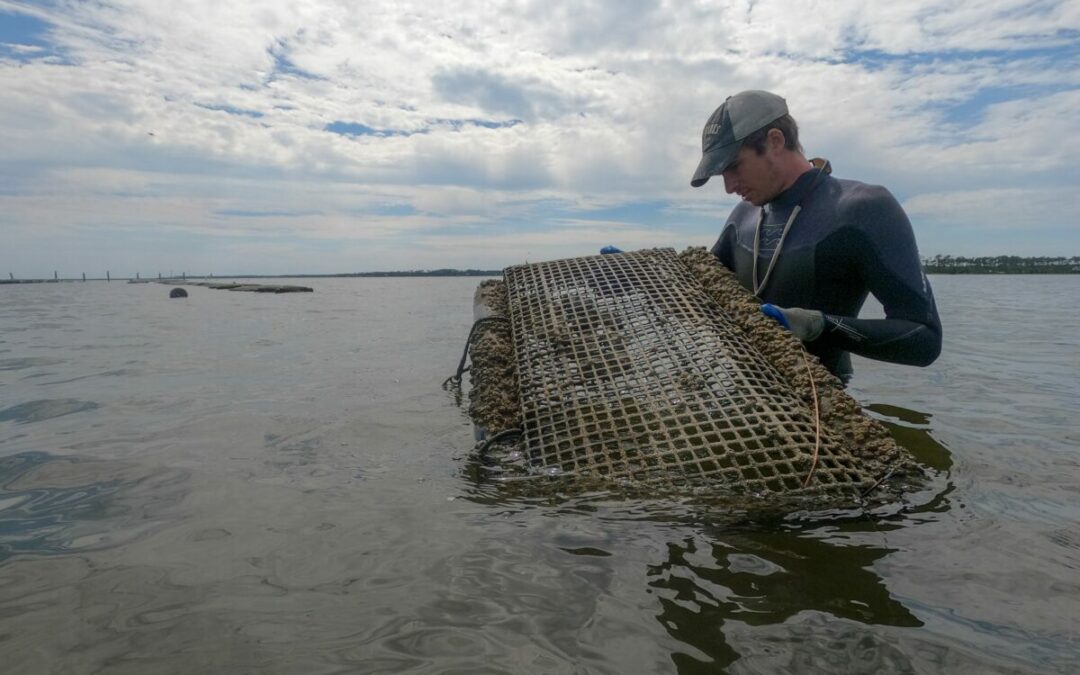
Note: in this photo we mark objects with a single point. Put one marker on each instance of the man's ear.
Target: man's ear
(775, 139)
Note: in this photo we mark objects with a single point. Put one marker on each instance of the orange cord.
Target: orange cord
(817, 423)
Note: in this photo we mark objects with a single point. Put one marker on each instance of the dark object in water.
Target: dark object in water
(177, 293)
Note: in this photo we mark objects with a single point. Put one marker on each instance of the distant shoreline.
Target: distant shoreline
(932, 270)
(483, 273)
(939, 264)
(1002, 264)
(191, 277)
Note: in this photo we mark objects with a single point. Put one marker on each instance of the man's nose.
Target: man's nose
(729, 181)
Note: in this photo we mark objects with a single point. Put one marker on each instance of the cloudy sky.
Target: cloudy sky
(273, 136)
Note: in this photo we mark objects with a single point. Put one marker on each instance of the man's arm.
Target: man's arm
(894, 340)
(886, 258)
(724, 247)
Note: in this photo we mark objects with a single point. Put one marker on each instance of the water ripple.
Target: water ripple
(23, 363)
(44, 409)
(52, 505)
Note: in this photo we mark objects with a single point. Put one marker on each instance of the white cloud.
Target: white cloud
(565, 239)
(1016, 209)
(130, 128)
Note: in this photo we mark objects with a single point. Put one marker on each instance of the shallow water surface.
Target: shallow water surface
(250, 483)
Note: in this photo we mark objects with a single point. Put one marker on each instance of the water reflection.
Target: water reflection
(763, 578)
(797, 596)
(51, 505)
(735, 591)
(911, 429)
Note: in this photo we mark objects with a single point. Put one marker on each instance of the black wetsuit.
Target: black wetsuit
(848, 240)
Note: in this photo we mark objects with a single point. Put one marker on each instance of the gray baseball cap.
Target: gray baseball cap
(736, 118)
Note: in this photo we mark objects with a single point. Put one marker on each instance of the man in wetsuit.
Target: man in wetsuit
(812, 246)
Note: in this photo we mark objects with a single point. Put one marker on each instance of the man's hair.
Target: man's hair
(785, 124)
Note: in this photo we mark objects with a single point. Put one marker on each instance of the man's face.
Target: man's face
(755, 178)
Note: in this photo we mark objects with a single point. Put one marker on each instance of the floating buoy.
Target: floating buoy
(177, 293)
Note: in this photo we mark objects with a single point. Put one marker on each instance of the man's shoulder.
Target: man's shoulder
(860, 200)
(855, 191)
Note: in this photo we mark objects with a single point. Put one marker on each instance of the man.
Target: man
(812, 246)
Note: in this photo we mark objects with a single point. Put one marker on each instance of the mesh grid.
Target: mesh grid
(628, 370)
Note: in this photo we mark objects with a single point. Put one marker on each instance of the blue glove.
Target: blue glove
(805, 324)
(610, 249)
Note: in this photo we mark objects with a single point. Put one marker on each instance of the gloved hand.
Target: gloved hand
(610, 249)
(805, 324)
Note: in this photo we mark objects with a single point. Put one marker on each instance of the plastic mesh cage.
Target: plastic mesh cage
(628, 370)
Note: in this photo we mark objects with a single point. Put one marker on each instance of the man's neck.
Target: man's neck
(791, 167)
(792, 192)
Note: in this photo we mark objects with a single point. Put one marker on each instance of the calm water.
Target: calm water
(246, 483)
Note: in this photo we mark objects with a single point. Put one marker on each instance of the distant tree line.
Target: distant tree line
(1001, 264)
(429, 273)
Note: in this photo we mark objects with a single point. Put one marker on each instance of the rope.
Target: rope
(456, 377)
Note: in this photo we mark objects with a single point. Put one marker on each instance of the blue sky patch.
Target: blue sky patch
(974, 108)
(284, 66)
(357, 129)
(457, 125)
(24, 37)
(875, 59)
(238, 213)
(231, 110)
(394, 210)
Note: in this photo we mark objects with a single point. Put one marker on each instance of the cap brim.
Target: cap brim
(714, 162)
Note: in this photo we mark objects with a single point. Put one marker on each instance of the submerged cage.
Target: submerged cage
(656, 369)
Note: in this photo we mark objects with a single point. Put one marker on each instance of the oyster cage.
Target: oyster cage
(629, 371)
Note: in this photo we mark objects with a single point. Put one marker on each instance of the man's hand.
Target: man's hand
(805, 324)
